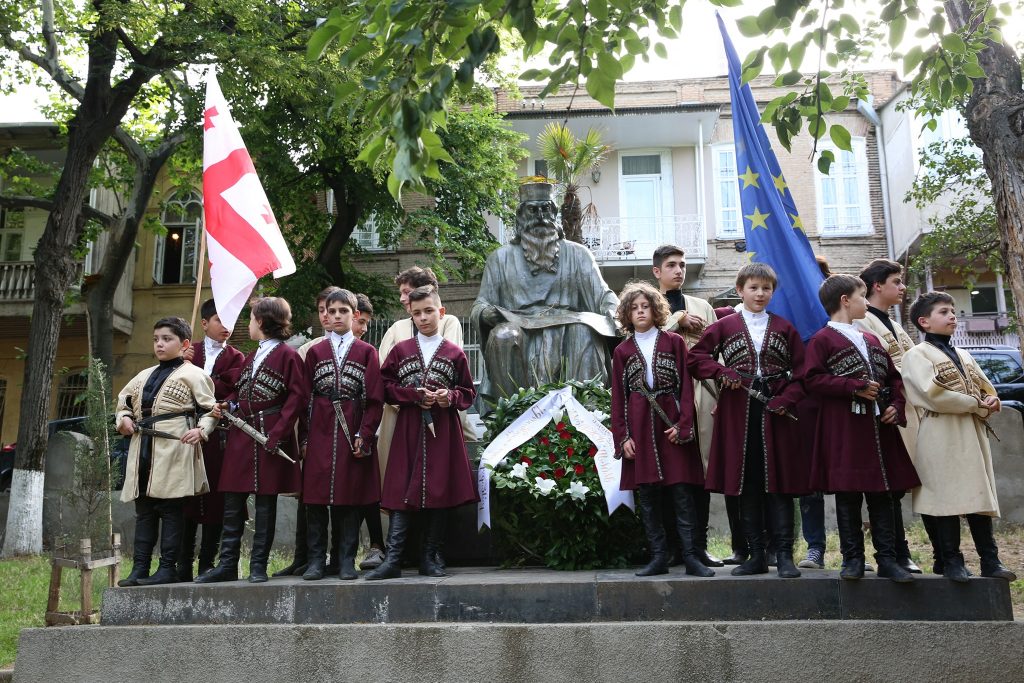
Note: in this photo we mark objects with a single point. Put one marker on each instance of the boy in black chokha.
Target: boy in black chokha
(165, 409)
(653, 426)
(340, 466)
(857, 450)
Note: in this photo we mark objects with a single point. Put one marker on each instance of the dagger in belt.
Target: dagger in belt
(253, 433)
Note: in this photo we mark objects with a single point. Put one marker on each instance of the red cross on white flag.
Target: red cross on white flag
(245, 242)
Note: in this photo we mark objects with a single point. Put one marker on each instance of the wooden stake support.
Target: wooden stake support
(85, 565)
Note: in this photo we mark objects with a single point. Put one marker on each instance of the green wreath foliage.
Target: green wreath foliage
(548, 506)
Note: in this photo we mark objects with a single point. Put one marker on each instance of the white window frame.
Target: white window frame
(721, 232)
(180, 199)
(860, 157)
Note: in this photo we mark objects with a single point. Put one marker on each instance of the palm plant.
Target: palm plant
(569, 159)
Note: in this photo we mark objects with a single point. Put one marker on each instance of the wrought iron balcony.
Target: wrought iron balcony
(635, 239)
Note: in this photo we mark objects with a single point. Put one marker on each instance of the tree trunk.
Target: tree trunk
(347, 212)
(995, 119)
(121, 246)
(100, 111)
(572, 217)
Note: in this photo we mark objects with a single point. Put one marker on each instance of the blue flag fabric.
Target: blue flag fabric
(771, 223)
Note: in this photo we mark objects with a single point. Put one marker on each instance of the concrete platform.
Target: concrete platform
(543, 596)
(834, 651)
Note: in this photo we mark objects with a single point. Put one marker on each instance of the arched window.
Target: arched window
(177, 251)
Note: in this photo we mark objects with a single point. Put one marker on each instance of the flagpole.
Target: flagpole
(199, 279)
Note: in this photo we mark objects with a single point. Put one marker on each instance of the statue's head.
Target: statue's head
(537, 230)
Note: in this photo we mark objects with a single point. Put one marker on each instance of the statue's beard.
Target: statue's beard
(540, 246)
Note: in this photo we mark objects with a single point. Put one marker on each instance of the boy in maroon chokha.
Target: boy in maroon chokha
(222, 363)
(653, 426)
(428, 472)
(339, 469)
(755, 451)
(270, 395)
(858, 453)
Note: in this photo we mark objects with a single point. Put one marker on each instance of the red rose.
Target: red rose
(559, 473)
(543, 475)
(569, 451)
(560, 426)
(565, 435)
(545, 440)
(551, 457)
(579, 469)
(592, 452)
(526, 461)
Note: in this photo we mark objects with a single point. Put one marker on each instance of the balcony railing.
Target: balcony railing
(18, 280)
(629, 239)
(984, 330)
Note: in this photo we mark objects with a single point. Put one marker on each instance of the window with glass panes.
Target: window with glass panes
(12, 233)
(844, 207)
(178, 250)
(727, 194)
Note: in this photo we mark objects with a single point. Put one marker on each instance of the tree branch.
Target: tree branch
(22, 202)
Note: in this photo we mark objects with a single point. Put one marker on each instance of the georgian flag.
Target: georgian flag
(244, 240)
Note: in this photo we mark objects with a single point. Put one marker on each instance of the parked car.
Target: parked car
(1003, 367)
(6, 466)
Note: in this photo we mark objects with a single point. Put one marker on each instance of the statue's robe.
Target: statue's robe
(557, 325)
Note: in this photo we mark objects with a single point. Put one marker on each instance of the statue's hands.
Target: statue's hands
(492, 316)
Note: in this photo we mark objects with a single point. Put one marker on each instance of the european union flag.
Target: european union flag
(771, 224)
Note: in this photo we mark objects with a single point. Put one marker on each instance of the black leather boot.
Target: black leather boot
(902, 547)
(988, 551)
(172, 518)
(398, 530)
(146, 526)
(752, 523)
(851, 535)
(782, 512)
(263, 537)
(738, 540)
(933, 538)
(702, 501)
(684, 502)
(348, 527)
(208, 546)
(435, 526)
(337, 513)
(650, 500)
(948, 529)
(231, 540)
(316, 538)
(301, 558)
(882, 514)
(187, 551)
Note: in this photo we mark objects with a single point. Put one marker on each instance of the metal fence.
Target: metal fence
(470, 342)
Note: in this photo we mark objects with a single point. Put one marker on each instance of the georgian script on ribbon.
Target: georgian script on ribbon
(527, 425)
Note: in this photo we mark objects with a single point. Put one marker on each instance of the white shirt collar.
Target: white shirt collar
(653, 332)
(212, 344)
(751, 314)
